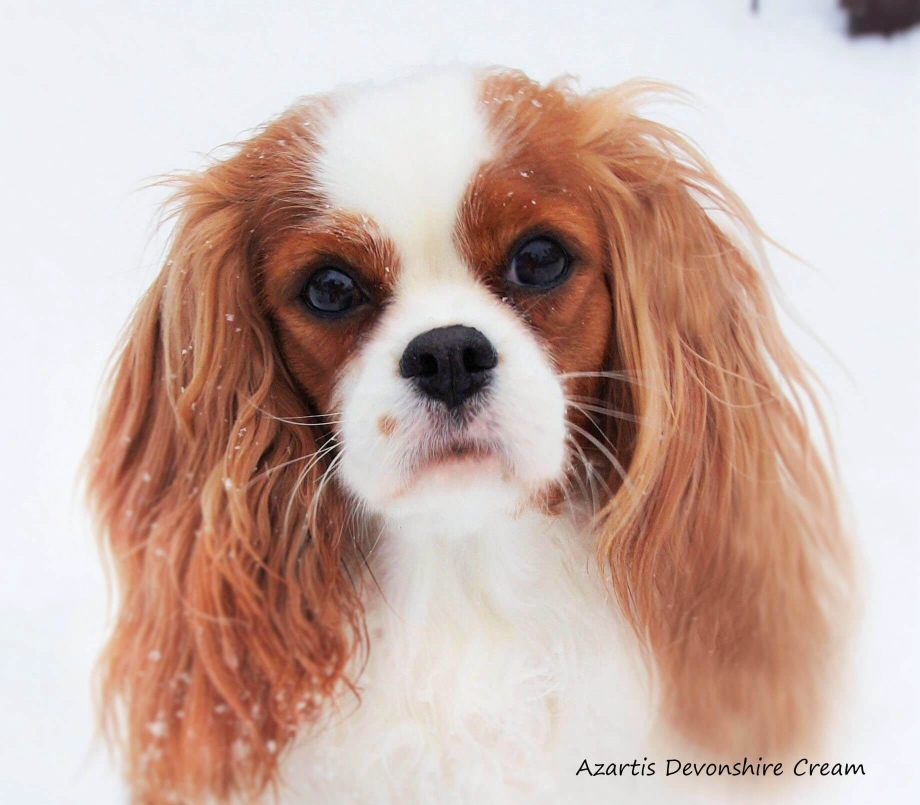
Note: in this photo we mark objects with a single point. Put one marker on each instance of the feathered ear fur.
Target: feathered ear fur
(724, 542)
(234, 615)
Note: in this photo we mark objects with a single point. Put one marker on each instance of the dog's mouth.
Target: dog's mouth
(452, 461)
(458, 450)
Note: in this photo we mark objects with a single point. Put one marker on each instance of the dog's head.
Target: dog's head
(439, 302)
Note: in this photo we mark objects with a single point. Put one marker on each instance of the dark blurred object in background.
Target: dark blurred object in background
(881, 16)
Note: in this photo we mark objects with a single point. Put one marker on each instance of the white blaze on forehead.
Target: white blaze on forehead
(403, 154)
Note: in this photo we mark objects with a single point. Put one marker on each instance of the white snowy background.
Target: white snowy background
(818, 133)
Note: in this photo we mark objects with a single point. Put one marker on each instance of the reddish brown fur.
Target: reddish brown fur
(723, 545)
(315, 351)
(235, 617)
(539, 185)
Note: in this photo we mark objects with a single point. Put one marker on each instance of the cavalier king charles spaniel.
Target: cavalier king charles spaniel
(457, 444)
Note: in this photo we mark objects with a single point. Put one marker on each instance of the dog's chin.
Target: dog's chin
(454, 496)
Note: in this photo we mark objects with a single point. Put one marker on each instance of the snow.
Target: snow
(818, 133)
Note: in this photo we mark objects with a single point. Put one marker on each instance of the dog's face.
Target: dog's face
(450, 290)
(444, 302)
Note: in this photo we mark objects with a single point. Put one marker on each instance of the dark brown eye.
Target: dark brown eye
(538, 263)
(331, 292)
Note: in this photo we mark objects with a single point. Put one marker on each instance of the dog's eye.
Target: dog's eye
(331, 292)
(538, 263)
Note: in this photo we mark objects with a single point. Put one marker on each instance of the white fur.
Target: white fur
(497, 662)
(496, 667)
(524, 417)
(403, 154)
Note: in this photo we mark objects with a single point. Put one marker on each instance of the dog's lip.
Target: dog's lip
(460, 449)
(452, 463)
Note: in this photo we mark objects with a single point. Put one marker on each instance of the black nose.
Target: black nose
(449, 363)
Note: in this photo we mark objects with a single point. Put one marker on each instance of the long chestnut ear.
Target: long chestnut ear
(234, 617)
(724, 541)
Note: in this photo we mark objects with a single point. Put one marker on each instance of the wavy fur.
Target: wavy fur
(235, 618)
(210, 475)
(724, 545)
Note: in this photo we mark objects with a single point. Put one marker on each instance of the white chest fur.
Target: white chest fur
(497, 665)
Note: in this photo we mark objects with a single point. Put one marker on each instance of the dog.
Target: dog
(456, 445)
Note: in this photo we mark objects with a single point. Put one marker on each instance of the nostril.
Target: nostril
(427, 365)
(479, 357)
(469, 360)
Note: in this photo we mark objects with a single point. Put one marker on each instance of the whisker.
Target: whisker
(373, 547)
(620, 375)
(615, 463)
(321, 486)
(584, 460)
(566, 488)
(593, 472)
(611, 412)
(324, 450)
(333, 417)
(601, 432)
(317, 456)
(633, 378)
(320, 419)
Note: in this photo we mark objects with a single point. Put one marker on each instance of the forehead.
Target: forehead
(404, 155)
